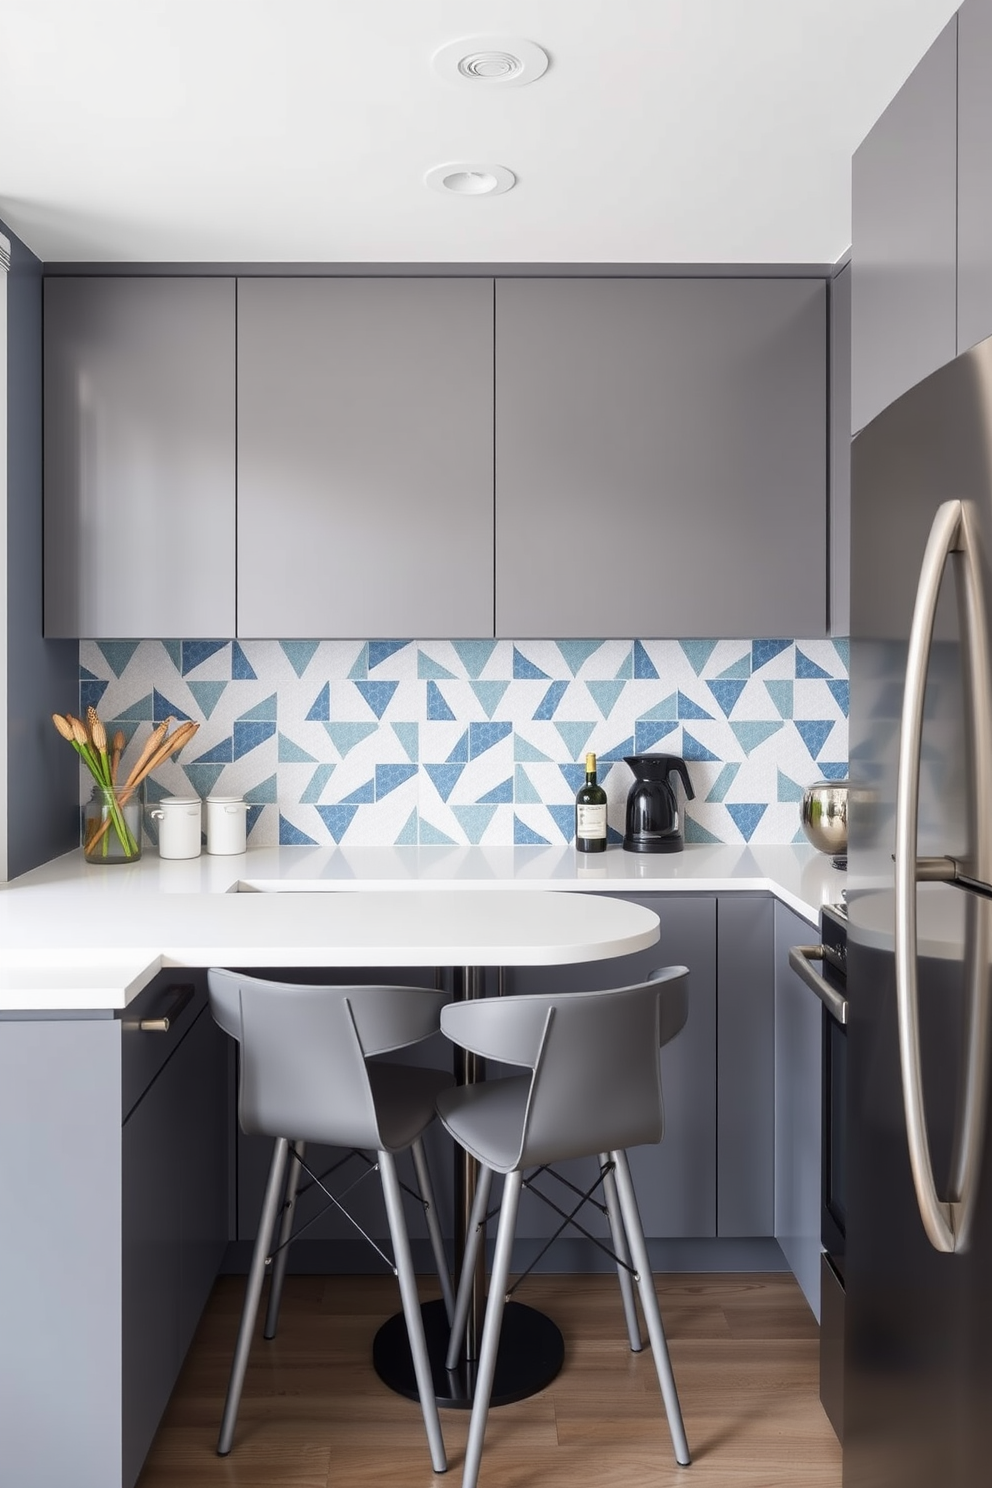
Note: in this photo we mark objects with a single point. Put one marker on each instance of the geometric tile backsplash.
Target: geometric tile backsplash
(480, 741)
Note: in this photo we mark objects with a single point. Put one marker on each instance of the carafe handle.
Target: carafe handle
(680, 766)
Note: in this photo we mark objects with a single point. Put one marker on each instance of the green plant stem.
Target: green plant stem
(124, 834)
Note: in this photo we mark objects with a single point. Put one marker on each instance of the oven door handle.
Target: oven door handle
(801, 959)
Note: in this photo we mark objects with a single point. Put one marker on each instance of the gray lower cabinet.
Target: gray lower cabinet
(740, 1156)
(174, 1224)
(115, 1143)
(365, 457)
(745, 1047)
(798, 1110)
(904, 236)
(676, 1182)
(139, 388)
(661, 457)
(974, 21)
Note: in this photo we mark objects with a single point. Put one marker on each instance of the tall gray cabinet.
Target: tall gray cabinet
(660, 457)
(904, 234)
(974, 306)
(365, 457)
(139, 456)
(922, 224)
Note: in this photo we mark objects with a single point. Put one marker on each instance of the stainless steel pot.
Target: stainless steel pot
(824, 815)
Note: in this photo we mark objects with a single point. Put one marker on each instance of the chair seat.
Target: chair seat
(405, 1096)
(488, 1119)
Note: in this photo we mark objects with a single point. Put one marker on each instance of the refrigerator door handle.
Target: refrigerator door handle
(946, 1222)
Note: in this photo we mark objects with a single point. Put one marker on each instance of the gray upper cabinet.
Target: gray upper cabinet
(904, 232)
(661, 457)
(365, 457)
(139, 456)
(974, 173)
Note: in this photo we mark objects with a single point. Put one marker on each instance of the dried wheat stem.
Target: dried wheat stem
(152, 744)
(170, 746)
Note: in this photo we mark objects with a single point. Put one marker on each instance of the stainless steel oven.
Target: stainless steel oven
(830, 985)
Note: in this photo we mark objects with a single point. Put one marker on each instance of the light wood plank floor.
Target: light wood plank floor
(744, 1350)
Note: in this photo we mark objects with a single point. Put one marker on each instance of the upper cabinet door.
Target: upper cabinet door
(365, 457)
(661, 457)
(904, 237)
(139, 457)
(974, 173)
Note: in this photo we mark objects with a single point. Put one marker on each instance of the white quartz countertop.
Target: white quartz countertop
(79, 936)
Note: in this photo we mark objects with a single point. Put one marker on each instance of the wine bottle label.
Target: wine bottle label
(590, 821)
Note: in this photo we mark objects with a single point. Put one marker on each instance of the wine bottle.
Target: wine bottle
(590, 812)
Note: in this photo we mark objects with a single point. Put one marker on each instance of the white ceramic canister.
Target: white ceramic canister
(226, 832)
(179, 826)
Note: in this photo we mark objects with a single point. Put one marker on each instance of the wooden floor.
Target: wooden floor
(744, 1350)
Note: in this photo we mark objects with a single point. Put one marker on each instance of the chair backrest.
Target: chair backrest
(673, 1000)
(303, 1051)
(596, 1081)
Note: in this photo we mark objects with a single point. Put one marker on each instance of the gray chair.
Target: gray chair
(308, 1074)
(594, 1088)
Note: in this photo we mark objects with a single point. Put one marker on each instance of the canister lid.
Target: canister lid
(225, 801)
(179, 801)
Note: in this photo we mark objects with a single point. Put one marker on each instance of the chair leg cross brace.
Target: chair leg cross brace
(315, 1181)
(569, 1219)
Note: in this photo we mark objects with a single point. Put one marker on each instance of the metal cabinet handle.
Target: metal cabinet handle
(946, 1221)
(184, 996)
(800, 958)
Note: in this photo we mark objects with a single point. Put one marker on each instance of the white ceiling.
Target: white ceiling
(664, 131)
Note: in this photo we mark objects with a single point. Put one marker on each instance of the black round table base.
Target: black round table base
(531, 1353)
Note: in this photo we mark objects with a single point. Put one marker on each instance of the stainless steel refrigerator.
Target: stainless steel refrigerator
(918, 1349)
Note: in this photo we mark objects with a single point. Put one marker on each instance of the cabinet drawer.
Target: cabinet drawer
(174, 997)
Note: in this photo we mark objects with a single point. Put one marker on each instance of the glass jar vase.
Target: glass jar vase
(112, 827)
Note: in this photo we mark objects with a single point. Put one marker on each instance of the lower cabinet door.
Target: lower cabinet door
(203, 1123)
(175, 1221)
(675, 1181)
(150, 1263)
(798, 1111)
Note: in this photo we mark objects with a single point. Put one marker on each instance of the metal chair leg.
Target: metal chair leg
(649, 1305)
(463, 1301)
(433, 1226)
(282, 1244)
(491, 1328)
(620, 1247)
(411, 1309)
(253, 1293)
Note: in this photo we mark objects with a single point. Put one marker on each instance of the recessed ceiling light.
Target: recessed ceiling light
(491, 60)
(470, 179)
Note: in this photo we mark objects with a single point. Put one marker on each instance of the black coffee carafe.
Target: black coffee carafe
(652, 805)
